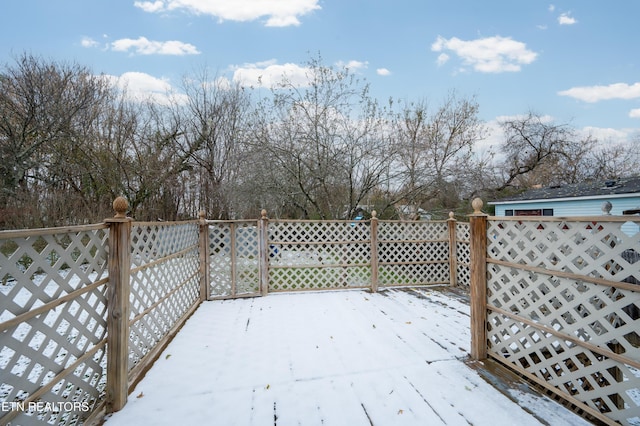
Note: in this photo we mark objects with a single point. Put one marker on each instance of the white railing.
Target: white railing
(558, 301)
(86, 310)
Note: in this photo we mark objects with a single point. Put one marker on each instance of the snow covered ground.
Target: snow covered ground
(334, 358)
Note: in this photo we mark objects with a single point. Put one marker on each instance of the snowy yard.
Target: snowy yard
(336, 358)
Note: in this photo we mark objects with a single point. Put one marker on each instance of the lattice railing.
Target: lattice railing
(314, 255)
(52, 324)
(59, 302)
(413, 253)
(564, 308)
(306, 255)
(165, 282)
(233, 259)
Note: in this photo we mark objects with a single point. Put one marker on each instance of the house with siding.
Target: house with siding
(581, 199)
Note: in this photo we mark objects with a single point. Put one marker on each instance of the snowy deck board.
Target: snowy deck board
(334, 358)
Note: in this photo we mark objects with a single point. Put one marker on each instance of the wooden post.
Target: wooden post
(204, 257)
(118, 306)
(453, 252)
(263, 235)
(478, 267)
(374, 251)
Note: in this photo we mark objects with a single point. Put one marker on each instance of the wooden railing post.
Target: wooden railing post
(118, 306)
(453, 251)
(204, 257)
(263, 236)
(374, 251)
(478, 290)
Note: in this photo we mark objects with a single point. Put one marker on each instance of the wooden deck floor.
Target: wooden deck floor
(329, 358)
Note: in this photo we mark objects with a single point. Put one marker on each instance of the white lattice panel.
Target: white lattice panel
(463, 232)
(319, 278)
(36, 272)
(411, 253)
(234, 259)
(463, 255)
(309, 231)
(247, 259)
(600, 315)
(412, 231)
(595, 249)
(162, 292)
(413, 274)
(607, 386)
(583, 315)
(152, 241)
(463, 275)
(220, 259)
(319, 255)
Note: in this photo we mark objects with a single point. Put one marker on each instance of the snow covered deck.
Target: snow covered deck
(337, 358)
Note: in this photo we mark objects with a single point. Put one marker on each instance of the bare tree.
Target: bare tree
(539, 151)
(434, 151)
(213, 125)
(325, 143)
(612, 160)
(41, 106)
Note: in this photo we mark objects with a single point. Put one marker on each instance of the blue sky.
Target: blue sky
(576, 61)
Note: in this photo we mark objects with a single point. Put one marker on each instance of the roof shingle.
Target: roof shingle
(628, 185)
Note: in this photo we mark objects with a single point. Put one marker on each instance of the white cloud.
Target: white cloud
(144, 46)
(88, 42)
(552, 8)
(278, 13)
(495, 136)
(606, 134)
(352, 65)
(141, 87)
(491, 55)
(566, 19)
(443, 58)
(269, 74)
(149, 6)
(599, 93)
(542, 118)
(634, 113)
(383, 72)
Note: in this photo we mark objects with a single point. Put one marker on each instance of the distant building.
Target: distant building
(581, 199)
(412, 212)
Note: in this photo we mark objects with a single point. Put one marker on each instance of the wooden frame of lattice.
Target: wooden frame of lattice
(562, 307)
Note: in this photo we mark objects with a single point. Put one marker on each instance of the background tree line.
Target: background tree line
(71, 141)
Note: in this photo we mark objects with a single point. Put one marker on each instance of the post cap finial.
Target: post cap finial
(201, 215)
(263, 213)
(120, 205)
(477, 205)
(374, 214)
(452, 215)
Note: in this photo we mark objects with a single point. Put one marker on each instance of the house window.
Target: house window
(547, 212)
(529, 212)
(508, 212)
